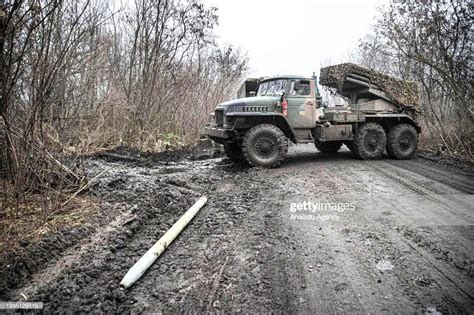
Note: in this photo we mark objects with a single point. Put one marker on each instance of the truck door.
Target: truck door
(301, 104)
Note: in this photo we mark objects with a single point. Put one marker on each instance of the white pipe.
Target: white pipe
(155, 251)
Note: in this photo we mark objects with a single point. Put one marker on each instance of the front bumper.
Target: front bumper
(219, 134)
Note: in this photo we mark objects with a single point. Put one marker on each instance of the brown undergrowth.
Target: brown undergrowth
(27, 219)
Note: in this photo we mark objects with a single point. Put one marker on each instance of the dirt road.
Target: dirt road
(325, 234)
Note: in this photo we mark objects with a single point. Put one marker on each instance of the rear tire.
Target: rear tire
(369, 141)
(402, 142)
(265, 145)
(233, 151)
(327, 147)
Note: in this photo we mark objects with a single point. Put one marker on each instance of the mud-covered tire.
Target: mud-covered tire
(265, 145)
(328, 147)
(234, 152)
(369, 141)
(402, 142)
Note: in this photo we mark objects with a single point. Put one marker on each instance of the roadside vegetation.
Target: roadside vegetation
(430, 42)
(78, 77)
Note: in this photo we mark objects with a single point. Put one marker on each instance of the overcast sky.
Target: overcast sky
(294, 36)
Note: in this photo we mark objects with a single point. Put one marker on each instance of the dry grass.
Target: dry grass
(453, 141)
(34, 217)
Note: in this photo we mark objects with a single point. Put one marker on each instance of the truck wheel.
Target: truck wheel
(233, 151)
(402, 142)
(265, 145)
(369, 141)
(328, 147)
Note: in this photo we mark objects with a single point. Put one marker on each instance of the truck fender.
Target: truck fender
(250, 120)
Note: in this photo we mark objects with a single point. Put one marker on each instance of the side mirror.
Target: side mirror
(252, 93)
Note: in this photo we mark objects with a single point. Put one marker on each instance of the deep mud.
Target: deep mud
(405, 246)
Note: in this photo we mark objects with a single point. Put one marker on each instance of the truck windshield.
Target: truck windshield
(273, 87)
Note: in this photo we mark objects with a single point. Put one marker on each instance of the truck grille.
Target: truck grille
(219, 117)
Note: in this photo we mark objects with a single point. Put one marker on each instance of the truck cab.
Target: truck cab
(266, 104)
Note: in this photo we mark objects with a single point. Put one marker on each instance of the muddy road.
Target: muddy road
(326, 234)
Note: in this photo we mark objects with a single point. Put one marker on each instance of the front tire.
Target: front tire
(369, 141)
(234, 152)
(327, 147)
(402, 142)
(265, 145)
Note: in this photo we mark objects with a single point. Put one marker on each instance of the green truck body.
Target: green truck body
(256, 129)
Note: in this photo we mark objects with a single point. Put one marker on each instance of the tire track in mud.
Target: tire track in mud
(408, 181)
(389, 241)
(425, 273)
(52, 272)
(232, 256)
(399, 243)
(404, 237)
(458, 182)
(328, 285)
(242, 253)
(349, 270)
(415, 236)
(375, 291)
(413, 277)
(419, 207)
(333, 276)
(331, 295)
(447, 247)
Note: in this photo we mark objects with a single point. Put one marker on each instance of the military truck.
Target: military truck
(381, 117)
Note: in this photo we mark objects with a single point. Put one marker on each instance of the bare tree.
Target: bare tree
(429, 42)
(79, 76)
